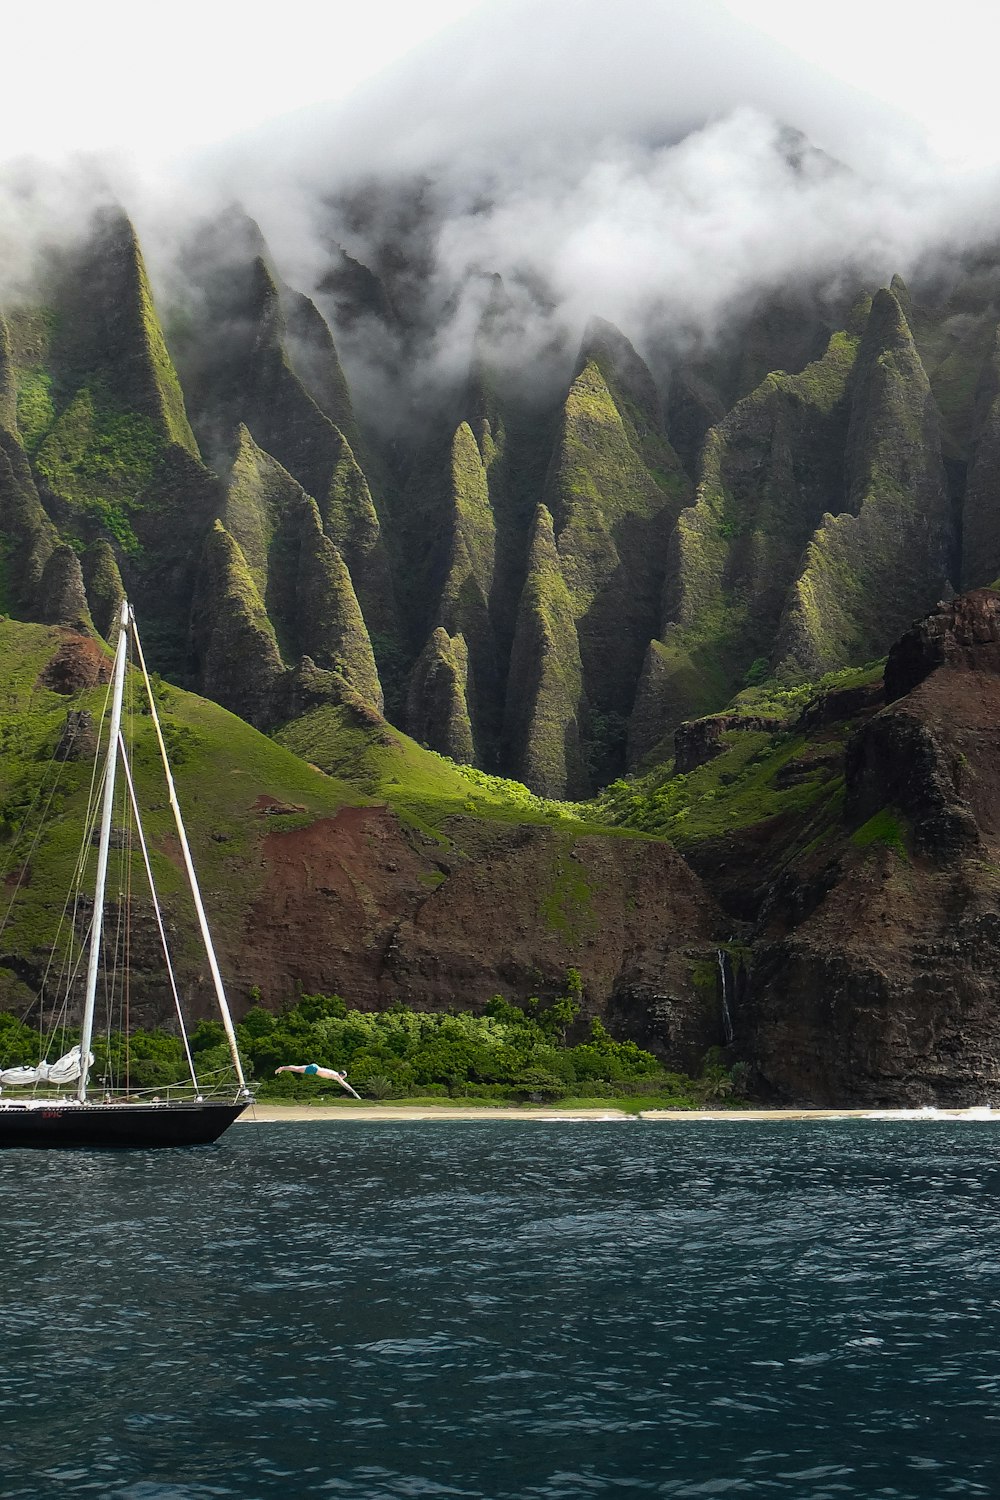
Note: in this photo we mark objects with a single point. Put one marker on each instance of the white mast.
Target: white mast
(97, 924)
(220, 992)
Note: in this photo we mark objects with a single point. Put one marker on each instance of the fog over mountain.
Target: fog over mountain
(658, 164)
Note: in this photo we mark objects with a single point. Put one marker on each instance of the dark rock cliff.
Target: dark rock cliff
(880, 987)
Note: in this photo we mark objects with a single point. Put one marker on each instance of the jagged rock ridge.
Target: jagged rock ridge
(797, 524)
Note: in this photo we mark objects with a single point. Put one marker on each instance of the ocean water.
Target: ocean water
(507, 1310)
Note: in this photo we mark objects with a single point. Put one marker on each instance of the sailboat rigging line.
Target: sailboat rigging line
(72, 895)
(68, 971)
(128, 824)
(127, 979)
(107, 809)
(206, 936)
(126, 768)
(170, 1116)
(60, 767)
(58, 1016)
(110, 971)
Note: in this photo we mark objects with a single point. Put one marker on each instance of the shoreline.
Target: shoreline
(271, 1114)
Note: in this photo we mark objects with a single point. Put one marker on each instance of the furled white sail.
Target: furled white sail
(65, 1069)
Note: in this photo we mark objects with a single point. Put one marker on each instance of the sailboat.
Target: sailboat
(89, 1117)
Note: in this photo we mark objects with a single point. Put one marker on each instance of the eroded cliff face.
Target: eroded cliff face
(362, 906)
(874, 975)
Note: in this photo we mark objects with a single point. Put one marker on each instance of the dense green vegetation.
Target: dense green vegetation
(759, 774)
(509, 1053)
(423, 787)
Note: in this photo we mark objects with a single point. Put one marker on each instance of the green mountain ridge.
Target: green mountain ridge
(553, 592)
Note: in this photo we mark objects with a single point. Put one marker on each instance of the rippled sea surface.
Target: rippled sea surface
(504, 1309)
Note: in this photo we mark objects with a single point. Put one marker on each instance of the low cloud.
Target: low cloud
(657, 164)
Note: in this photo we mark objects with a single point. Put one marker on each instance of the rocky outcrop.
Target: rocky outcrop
(835, 705)
(883, 1000)
(900, 760)
(963, 633)
(700, 740)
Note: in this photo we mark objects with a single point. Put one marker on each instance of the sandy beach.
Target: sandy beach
(270, 1114)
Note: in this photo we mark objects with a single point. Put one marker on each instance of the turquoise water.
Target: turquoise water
(507, 1310)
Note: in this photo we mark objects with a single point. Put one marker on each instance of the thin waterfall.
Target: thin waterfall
(727, 1020)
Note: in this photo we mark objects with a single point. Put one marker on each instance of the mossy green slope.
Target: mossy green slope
(298, 573)
(8, 384)
(465, 596)
(515, 432)
(235, 650)
(105, 589)
(769, 471)
(280, 412)
(27, 536)
(869, 572)
(981, 507)
(258, 492)
(108, 336)
(328, 624)
(437, 709)
(954, 332)
(62, 598)
(547, 707)
(351, 521)
(785, 329)
(221, 767)
(102, 416)
(351, 742)
(261, 355)
(614, 493)
(313, 356)
(175, 512)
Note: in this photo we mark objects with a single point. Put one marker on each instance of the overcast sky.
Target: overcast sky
(153, 80)
(628, 159)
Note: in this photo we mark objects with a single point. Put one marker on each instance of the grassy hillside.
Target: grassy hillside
(226, 773)
(421, 786)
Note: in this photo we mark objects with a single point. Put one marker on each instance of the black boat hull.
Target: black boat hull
(174, 1123)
